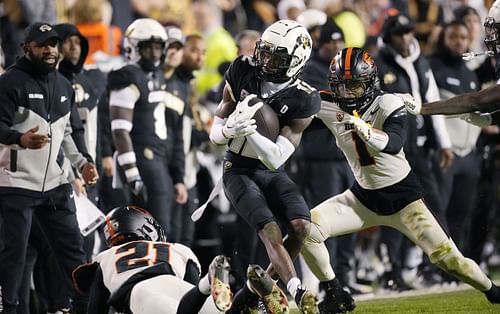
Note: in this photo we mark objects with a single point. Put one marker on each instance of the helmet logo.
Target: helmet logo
(368, 59)
(304, 41)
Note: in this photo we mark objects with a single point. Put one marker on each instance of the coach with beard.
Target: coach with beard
(35, 108)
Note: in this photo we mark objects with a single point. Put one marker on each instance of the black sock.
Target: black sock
(242, 299)
(192, 302)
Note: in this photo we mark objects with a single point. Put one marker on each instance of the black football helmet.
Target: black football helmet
(492, 28)
(353, 79)
(131, 223)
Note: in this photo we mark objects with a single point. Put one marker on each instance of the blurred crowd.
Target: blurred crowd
(418, 47)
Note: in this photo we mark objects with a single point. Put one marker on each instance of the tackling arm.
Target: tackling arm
(465, 103)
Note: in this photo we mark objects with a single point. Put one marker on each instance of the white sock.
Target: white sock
(293, 285)
(204, 285)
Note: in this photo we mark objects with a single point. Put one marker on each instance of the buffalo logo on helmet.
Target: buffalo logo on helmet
(339, 116)
(304, 41)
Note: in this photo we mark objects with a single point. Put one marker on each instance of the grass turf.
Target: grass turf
(457, 302)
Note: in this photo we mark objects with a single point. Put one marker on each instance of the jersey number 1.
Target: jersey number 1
(364, 157)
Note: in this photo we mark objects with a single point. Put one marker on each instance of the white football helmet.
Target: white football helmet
(492, 28)
(282, 51)
(142, 30)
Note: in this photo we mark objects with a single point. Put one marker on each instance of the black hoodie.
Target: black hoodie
(88, 86)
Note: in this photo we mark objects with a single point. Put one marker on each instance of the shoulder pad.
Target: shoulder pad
(124, 77)
(389, 103)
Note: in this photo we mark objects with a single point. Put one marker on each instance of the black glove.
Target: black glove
(139, 193)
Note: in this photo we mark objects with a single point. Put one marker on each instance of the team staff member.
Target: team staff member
(34, 125)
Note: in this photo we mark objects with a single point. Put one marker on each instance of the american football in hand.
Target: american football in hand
(266, 120)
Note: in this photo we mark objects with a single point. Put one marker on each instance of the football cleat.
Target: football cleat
(263, 285)
(336, 300)
(493, 295)
(219, 283)
(307, 301)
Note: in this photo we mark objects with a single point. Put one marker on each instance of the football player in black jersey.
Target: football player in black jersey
(138, 100)
(254, 179)
(481, 108)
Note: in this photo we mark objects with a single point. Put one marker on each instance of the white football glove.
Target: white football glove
(245, 112)
(374, 138)
(411, 105)
(234, 128)
(477, 118)
(361, 128)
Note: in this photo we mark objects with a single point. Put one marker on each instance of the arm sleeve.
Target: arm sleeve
(272, 154)
(394, 127)
(99, 295)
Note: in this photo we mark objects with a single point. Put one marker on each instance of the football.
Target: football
(266, 120)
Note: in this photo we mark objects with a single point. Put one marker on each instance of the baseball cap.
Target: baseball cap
(396, 24)
(175, 35)
(330, 31)
(40, 32)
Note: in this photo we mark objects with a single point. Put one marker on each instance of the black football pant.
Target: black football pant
(59, 225)
(160, 189)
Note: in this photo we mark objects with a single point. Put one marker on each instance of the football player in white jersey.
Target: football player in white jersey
(369, 127)
(142, 273)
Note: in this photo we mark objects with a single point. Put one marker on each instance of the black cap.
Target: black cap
(39, 33)
(396, 24)
(330, 31)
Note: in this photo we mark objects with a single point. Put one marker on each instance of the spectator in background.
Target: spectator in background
(312, 20)
(17, 15)
(290, 9)
(459, 182)
(196, 121)
(428, 17)
(103, 37)
(220, 44)
(31, 190)
(403, 69)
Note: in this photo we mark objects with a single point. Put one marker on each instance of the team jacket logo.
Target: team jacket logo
(35, 96)
(339, 116)
(45, 28)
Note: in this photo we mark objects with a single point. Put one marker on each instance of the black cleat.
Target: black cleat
(336, 300)
(493, 295)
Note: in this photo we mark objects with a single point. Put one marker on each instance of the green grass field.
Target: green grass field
(457, 302)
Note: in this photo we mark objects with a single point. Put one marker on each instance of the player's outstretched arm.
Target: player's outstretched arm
(469, 102)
